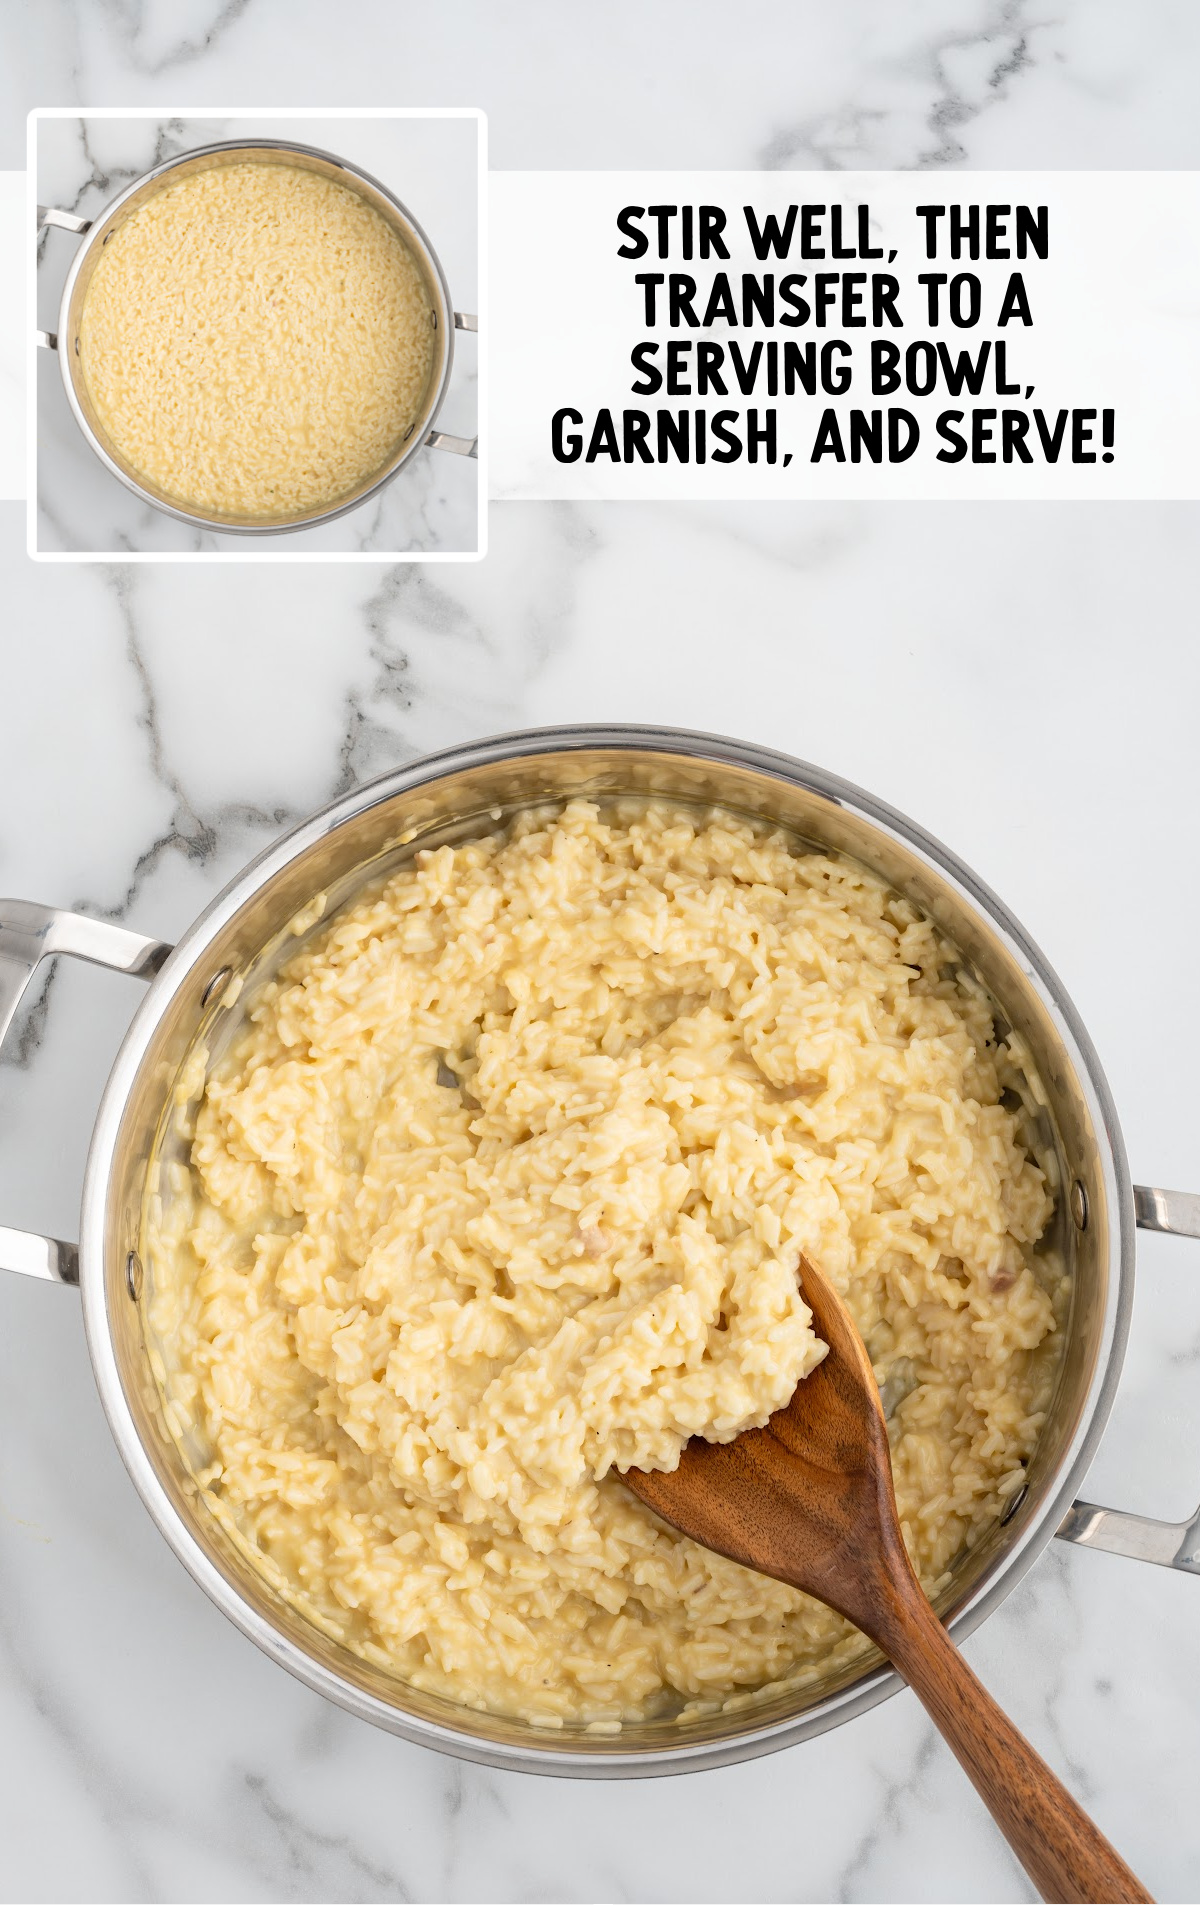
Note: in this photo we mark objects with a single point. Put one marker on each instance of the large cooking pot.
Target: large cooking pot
(96, 233)
(198, 992)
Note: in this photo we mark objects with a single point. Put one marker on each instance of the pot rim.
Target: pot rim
(66, 356)
(1008, 1567)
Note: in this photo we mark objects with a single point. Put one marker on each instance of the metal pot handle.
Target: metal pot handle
(28, 934)
(461, 446)
(440, 439)
(1171, 1544)
(67, 222)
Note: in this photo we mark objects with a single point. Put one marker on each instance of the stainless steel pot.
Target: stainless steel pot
(96, 234)
(457, 793)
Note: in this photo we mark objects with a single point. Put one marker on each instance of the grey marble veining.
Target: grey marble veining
(684, 83)
(433, 504)
(1022, 679)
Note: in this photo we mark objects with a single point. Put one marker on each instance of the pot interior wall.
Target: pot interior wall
(328, 167)
(471, 800)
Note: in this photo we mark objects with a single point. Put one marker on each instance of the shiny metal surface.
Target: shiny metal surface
(65, 221)
(452, 795)
(461, 446)
(30, 933)
(30, 1255)
(1175, 1212)
(1170, 1544)
(201, 158)
(216, 986)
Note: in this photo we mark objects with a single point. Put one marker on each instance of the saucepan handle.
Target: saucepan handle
(1171, 1544)
(461, 446)
(67, 222)
(441, 439)
(28, 934)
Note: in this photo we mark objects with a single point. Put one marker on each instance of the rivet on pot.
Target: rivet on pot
(76, 347)
(1013, 1506)
(408, 433)
(216, 986)
(433, 319)
(1079, 1205)
(133, 1275)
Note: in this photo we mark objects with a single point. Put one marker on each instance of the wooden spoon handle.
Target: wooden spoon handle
(1065, 1855)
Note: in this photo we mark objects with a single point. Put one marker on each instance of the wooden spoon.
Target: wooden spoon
(809, 1499)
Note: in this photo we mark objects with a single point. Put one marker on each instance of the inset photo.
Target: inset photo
(257, 335)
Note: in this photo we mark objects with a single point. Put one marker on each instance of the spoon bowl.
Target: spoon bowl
(809, 1499)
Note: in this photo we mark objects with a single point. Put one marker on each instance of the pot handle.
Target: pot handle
(67, 222)
(1171, 1544)
(440, 439)
(461, 446)
(28, 934)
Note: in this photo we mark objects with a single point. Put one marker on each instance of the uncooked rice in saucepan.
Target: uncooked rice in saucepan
(256, 340)
(501, 1191)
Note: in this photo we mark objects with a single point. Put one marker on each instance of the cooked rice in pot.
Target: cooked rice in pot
(501, 1192)
(256, 340)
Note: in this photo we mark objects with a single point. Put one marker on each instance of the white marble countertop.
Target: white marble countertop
(1022, 679)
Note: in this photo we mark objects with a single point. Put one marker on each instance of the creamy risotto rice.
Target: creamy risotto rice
(256, 340)
(501, 1192)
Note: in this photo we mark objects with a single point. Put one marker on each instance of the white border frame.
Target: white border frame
(285, 115)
